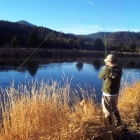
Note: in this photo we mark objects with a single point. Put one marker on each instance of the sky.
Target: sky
(75, 16)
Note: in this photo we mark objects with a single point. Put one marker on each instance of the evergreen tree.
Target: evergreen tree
(98, 44)
(79, 43)
(33, 40)
(120, 46)
(133, 47)
(14, 42)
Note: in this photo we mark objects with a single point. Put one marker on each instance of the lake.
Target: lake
(81, 71)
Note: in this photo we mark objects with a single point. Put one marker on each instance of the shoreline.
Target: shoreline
(58, 53)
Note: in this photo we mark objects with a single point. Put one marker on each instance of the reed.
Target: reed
(50, 110)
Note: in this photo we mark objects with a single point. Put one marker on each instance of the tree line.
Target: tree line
(23, 36)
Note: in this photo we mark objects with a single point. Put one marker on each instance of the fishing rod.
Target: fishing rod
(61, 22)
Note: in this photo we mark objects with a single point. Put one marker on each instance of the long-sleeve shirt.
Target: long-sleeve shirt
(111, 77)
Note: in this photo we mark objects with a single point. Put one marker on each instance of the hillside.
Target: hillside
(113, 38)
(28, 35)
(25, 34)
(93, 36)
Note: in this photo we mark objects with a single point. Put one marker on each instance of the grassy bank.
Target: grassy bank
(57, 53)
(44, 111)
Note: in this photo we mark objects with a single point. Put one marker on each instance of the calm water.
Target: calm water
(77, 71)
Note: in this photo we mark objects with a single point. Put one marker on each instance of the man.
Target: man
(111, 76)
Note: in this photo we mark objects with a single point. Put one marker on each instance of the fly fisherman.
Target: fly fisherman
(111, 76)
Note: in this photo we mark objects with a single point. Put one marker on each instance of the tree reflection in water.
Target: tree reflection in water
(79, 65)
(97, 64)
(131, 64)
(32, 67)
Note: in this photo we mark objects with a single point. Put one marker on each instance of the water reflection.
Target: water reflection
(79, 65)
(88, 70)
(131, 64)
(32, 65)
(137, 65)
(97, 64)
(13, 64)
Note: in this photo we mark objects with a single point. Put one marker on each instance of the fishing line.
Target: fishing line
(102, 24)
(46, 38)
(61, 22)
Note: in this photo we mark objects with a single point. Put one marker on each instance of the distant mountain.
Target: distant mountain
(93, 36)
(99, 35)
(25, 23)
(113, 38)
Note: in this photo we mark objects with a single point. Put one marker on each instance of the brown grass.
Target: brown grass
(44, 111)
(129, 103)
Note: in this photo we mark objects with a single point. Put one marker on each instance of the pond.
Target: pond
(81, 71)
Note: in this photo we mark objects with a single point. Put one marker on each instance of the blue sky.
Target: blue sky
(75, 16)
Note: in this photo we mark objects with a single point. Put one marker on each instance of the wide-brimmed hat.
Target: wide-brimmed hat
(110, 58)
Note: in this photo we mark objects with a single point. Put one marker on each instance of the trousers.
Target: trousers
(109, 105)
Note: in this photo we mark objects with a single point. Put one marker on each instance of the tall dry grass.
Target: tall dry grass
(40, 111)
(51, 111)
(129, 103)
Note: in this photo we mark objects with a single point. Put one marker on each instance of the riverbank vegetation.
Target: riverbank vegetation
(51, 110)
(23, 53)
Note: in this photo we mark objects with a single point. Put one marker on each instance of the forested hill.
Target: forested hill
(24, 34)
(114, 38)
